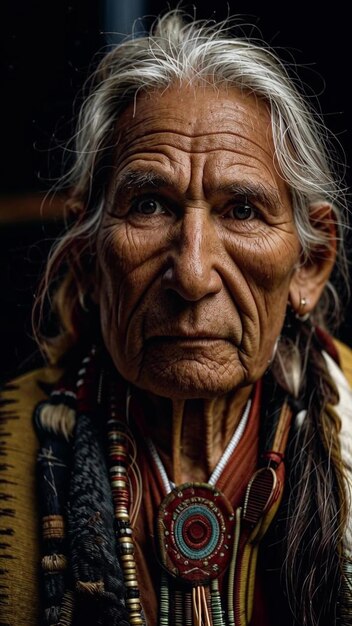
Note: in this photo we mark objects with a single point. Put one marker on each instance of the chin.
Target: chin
(185, 383)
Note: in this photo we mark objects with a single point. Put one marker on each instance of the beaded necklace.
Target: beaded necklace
(199, 534)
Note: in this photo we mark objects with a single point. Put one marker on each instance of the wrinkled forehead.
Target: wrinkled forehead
(195, 111)
(218, 131)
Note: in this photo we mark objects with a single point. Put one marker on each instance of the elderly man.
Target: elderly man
(194, 426)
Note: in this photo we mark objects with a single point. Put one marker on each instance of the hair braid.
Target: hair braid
(316, 508)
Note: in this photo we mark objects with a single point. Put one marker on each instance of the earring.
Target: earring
(300, 314)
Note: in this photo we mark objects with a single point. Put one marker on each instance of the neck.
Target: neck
(191, 435)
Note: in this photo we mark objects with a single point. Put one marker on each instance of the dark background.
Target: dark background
(47, 51)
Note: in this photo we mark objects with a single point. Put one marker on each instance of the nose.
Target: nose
(192, 263)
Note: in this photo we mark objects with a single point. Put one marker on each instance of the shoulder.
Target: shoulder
(18, 521)
(32, 386)
(18, 399)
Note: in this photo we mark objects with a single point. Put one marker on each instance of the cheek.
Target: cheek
(269, 261)
(110, 272)
(108, 280)
(118, 255)
(266, 266)
(128, 267)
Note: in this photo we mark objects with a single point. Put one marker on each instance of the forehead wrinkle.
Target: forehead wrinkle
(139, 141)
(167, 156)
(134, 129)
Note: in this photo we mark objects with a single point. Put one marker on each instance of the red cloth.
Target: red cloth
(232, 482)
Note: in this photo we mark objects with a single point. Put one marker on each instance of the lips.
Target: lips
(198, 337)
(178, 332)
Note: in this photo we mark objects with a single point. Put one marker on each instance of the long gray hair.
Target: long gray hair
(181, 51)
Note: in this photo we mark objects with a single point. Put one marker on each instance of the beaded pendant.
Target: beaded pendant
(195, 528)
(195, 532)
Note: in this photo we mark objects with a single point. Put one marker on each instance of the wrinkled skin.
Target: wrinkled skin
(197, 250)
(193, 297)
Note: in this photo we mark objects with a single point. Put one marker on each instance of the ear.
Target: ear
(310, 278)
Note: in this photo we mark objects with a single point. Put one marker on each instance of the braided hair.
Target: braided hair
(314, 515)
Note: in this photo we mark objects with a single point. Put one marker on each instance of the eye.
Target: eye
(241, 211)
(148, 206)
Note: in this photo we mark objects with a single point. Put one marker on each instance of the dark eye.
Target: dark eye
(148, 206)
(241, 211)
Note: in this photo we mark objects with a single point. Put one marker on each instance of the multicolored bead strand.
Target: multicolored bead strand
(216, 608)
(119, 461)
(178, 607)
(188, 609)
(164, 608)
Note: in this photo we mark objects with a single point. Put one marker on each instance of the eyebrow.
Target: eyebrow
(136, 179)
(255, 191)
(268, 196)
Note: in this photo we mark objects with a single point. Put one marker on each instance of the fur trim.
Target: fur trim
(344, 411)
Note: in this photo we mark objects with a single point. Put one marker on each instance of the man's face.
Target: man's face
(197, 245)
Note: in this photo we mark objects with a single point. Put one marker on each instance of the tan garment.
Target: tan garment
(19, 551)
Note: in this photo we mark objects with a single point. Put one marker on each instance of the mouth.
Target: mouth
(182, 334)
(192, 340)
